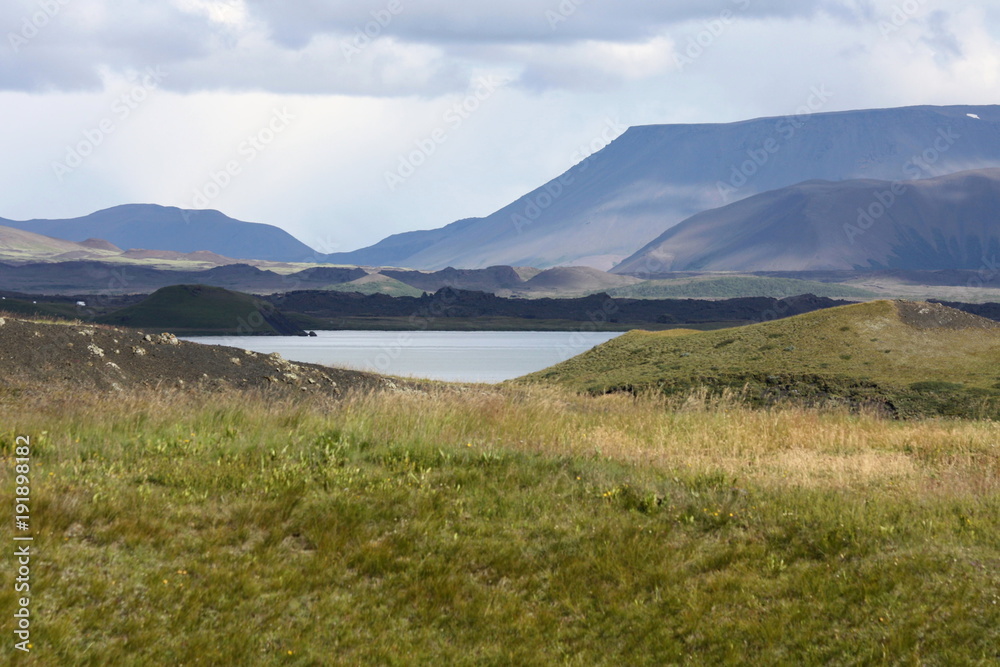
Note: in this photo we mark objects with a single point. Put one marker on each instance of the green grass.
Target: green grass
(860, 354)
(192, 309)
(511, 526)
(737, 286)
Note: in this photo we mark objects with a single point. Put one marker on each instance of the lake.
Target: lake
(453, 356)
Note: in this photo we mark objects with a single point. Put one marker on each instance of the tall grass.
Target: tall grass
(515, 525)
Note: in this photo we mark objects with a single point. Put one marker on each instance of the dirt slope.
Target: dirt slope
(111, 358)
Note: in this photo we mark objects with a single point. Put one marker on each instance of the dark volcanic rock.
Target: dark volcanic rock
(595, 309)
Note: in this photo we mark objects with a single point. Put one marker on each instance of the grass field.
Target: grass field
(883, 353)
(511, 525)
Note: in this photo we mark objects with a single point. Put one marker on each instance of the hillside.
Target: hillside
(170, 228)
(89, 357)
(651, 178)
(569, 279)
(904, 357)
(944, 223)
(18, 245)
(206, 310)
(736, 286)
(144, 276)
(490, 279)
(377, 284)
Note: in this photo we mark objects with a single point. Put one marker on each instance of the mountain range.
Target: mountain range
(909, 188)
(651, 178)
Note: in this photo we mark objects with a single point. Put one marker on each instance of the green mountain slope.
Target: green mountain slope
(203, 309)
(906, 357)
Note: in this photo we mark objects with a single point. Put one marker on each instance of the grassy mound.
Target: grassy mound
(501, 527)
(205, 310)
(735, 287)
(909, 358)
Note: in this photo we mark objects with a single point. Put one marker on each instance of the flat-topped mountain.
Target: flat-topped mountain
(653, 177)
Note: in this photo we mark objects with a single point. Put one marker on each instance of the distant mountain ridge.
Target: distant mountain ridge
(653, 177)
(949, 222)
(156, 227)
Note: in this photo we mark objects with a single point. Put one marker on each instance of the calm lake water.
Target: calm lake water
(454, 356)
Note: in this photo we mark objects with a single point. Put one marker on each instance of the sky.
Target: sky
(346, 121)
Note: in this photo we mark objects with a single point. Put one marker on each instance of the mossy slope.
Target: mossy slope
(912, 358)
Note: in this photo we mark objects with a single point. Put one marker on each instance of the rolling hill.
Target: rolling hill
(905, 357)
(168, 228)
(653, 177)
(206, 310)
(944, 223)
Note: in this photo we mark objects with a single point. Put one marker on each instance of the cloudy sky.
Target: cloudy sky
(346, 121)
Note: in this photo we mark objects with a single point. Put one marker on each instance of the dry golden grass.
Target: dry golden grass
(787, 446)
(823, 449)
(512, 525)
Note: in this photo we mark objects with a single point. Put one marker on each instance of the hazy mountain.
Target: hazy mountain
(19, 245)
(653, 177)
(949, 222)
(168, 228)
(567, 279)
